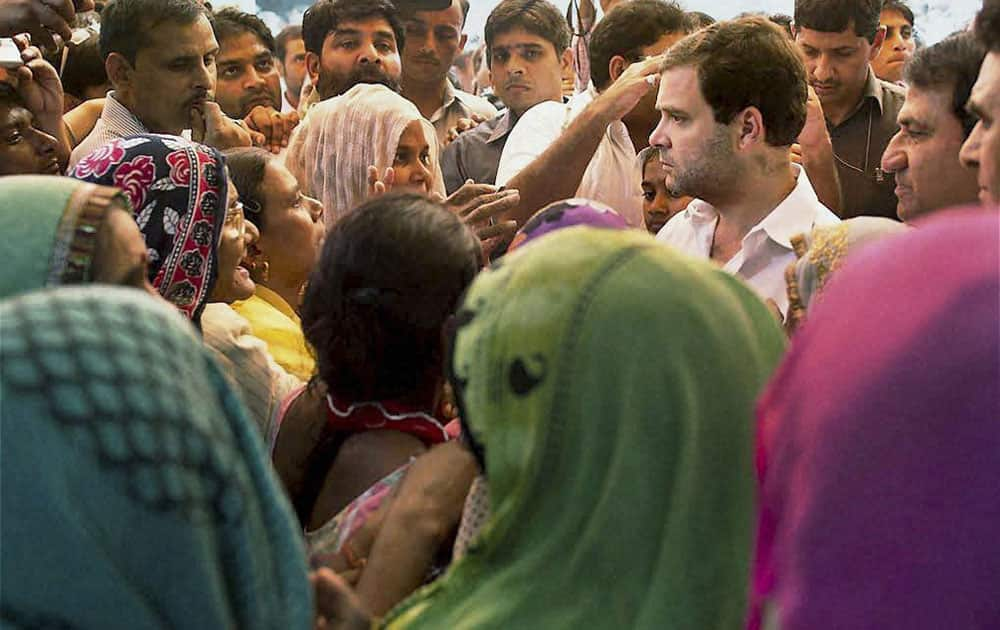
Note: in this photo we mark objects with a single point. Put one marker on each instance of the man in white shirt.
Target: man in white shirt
(732, 100)
(588, 148)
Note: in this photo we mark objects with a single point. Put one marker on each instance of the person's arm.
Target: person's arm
(41, 90)
(419, 522)
(814, 151)
(557, 172)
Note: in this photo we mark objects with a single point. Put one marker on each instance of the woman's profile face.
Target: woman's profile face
(233, 282)
(293, 229)
(412, 164)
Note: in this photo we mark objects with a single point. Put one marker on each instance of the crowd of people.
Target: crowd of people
(624, 319)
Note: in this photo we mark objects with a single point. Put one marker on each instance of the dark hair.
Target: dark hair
(744, 63)
(627, 29)
(287, 34)
(84, 68)
(246, 169)
(538, 17)
(951, 64)
(231, 22)
(899, 7)
(698, 19)
(987, 25)
(126, 25)
(323, 18)
(835, 16)
(783, 21)
(390, 274)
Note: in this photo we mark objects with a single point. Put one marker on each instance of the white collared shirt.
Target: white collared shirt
(766, 250)
(612, 177)
(116, 121)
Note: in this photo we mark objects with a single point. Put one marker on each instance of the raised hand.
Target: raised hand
(275, 126)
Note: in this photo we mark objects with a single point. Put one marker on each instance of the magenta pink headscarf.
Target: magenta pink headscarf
(879, 443)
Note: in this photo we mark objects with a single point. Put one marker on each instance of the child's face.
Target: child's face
(657, 203)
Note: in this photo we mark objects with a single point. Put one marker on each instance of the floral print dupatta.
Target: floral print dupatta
(178, 190)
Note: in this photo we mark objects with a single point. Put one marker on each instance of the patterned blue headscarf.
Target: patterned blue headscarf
(134, 491)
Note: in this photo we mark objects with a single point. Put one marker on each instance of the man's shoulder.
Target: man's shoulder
(476, 104)
(893, 97)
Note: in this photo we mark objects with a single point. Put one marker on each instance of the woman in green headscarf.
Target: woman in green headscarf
(57, 231)
(607, 384)
(135, 493)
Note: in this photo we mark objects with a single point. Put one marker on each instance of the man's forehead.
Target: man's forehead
(371, 26)
(451, 15)
(243, 45)
(986, 91)
(828, 39)
(172, 40)
(13, 114)
(925, 105)
(679, 88)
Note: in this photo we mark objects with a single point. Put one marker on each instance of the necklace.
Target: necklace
(879, 173)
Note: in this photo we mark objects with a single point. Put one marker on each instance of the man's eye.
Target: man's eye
(347, 43)
(230, 73)
(649, 196)
(383, 47)
(14, 138)
(502, 57)
(265, 65)
(531, 54)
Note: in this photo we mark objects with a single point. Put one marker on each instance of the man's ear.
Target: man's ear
(119, 70)
(312, 66)
(751, 130)
(877, 43)
(616, 66)
(566, 61)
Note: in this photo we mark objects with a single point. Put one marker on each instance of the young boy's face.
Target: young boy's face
(658, 204)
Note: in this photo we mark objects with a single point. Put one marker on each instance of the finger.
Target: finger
(198, 125)
(30, 53)
(390, 178)
(468, 192)
(82, 6)
(506, 228)
(51, 20)
(257, 138)
(41, 37)
(65, 8)
(478, 118)
(488, 206)
(22, 41)
(378, 189)
(372, 175)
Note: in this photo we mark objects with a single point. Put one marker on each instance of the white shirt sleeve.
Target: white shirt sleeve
(534, 132)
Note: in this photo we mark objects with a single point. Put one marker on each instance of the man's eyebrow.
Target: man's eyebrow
(346, 32)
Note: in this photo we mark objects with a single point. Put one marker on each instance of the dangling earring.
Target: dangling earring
(258, 265)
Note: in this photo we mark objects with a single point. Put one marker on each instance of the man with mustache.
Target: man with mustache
(840, 39)
(350, 42)
(160, 57)
(249, 86)
(933, 124)
(433, 39)
(982, 148)
(527, 50)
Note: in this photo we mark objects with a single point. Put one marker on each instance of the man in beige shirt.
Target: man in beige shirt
(433, 40)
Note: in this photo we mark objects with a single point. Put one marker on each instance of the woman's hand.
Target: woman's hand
(377, 186)
(480, 206)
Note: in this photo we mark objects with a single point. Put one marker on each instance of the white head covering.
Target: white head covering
(341, 137)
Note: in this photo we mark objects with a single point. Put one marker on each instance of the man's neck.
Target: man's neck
(837, 113)
(754, 198)
(126, 101)
(293, 99)
(428, 97)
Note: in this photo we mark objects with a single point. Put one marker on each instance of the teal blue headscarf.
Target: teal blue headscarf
(134, 492)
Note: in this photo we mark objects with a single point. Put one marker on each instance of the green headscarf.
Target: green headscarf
(611, 383)
(134, 491)
(48, 230)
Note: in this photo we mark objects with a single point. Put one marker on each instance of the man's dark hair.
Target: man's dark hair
(784, 22)
(287, 34)
(322, 18)
(538, 17)
(231, 22)
(390, 275)
(899, 7)
(627, 29)
(949, 65)
(126, 25)
(743, 63)
(698, 19)
(987, 25)
(84, 68)
(836, 16)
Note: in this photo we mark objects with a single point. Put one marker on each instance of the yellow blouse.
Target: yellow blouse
(274, 321)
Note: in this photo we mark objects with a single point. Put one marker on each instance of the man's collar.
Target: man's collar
(120, 117)
(794, 215)
(504, 123)
(873, 89)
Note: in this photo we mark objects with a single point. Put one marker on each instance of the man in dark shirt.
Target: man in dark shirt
(839, 39)
(527, 50)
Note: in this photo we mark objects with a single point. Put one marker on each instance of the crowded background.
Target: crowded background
(631, 314)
